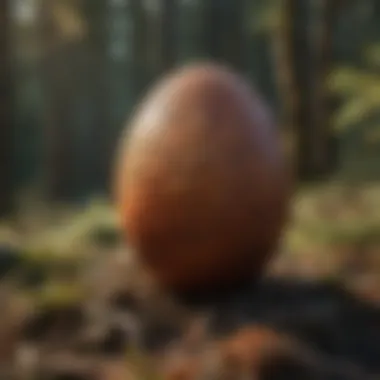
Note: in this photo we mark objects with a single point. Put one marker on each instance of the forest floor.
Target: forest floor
(75, 305)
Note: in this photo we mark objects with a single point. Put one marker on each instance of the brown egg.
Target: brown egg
(201, 183)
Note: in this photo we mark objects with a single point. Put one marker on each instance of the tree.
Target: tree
(5, 111)
(323, 154)
(301, 38)
(139, 69)
(278, 23)
(235, 36)
(69, 75)
(303, 66)
(97, 85)
(212, 29)
(224, 32)
(55, 84)
(169, 32)
(190, 33)
(290, 34)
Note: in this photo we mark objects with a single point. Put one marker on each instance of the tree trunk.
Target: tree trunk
(235, 35)
(95, 81)
(323, 152)
(5, 112)
(304, 75)
(100, 131)
(302, 47)
(140, 72)
(169, 33)
(224, 32)
(212, 29)
(55, 84)
(288, 91)
(57, 135)
(293, 55)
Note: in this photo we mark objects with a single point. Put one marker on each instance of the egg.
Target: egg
(202, 186)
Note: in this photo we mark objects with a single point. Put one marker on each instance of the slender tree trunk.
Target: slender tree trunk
(235, 36)
(140, 45)
(5, 112)
(302, 46)
(303, 54)
(57, 139)
(293, 55)
(323, 153)
(189, 43)
(212, 29)
(224, 34)
(57, 136)
(97, 43)
(169, 33)
(283, 51)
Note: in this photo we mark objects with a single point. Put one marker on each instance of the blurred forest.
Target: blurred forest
(74, 69)
(76, 305)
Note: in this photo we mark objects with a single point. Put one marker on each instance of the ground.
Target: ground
(78, 306)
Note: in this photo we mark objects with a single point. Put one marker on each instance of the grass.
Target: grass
(325, 218)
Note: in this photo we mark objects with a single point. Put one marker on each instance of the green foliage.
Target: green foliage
(359, 90)
(59, 294)
(71, 238)
(335, 214)
(54, 271)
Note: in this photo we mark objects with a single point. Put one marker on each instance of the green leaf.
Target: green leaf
(348, 81)
(352, 112)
